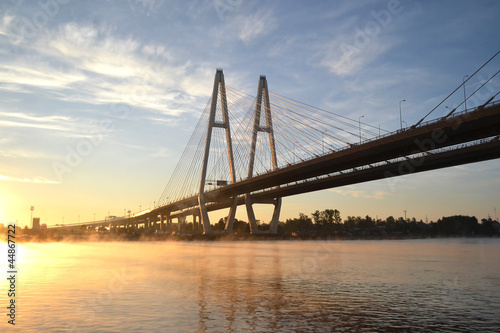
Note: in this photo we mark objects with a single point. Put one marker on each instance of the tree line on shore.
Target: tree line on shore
(329, 223)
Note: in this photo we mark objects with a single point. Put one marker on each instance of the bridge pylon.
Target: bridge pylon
(218, 89)
(262, 101)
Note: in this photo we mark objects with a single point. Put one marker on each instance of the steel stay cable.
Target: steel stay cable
(460, 86)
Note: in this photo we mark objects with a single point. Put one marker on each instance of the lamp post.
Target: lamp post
(322, 144)
(465, 95)
(360, 127)
(32, 208)
(400, 115)
(323, 141)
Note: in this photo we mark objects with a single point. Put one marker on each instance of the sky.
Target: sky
(99, 98)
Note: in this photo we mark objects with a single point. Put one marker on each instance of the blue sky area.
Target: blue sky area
(126, 81)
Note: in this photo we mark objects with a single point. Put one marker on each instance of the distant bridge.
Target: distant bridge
(276, 147)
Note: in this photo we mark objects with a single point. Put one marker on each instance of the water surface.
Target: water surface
(450, 285)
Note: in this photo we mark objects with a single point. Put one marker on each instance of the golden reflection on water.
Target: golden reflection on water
(426, 285)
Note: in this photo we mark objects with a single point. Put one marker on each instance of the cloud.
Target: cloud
(52, 123)
(343, 57)
(167, 122)
(52, 127)
(25, 116)
(161, 153)
(148, 6)
(34, 180)
(5, 24)
(38, 75)
(24, 153)
(91, 65)
(360, 38)
(254, 26)
(352, 192)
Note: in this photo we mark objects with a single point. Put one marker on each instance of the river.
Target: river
(437, 285)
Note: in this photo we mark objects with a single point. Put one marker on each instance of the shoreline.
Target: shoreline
(220, 237)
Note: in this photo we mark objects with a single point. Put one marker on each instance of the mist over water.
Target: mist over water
(450, 285)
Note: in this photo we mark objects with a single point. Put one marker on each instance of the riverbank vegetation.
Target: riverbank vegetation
(319, 225)
(328, 223)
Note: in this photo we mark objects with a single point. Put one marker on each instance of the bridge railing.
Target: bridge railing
(469, 110)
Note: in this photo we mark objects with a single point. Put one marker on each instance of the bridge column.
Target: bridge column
(196, 224)
(262, 101)
(155, 223)
(273, 225)
(230, 219)
(169, 221)
(219, 88)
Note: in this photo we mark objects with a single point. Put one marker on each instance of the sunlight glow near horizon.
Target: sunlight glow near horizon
(127, 90)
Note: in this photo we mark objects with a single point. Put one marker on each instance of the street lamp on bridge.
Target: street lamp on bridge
(400, 115)
(323, 141)
(465, 95)
(360, 128)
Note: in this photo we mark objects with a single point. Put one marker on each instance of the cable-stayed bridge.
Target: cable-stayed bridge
(249, 150)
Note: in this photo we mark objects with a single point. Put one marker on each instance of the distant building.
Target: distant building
(36, 223)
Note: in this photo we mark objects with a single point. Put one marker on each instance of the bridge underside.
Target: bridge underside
(459, 156)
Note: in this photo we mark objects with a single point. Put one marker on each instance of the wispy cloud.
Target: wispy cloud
(38, 75)
(35, 180)
(344, 58)
(5, 23)
(360, 39)
(255, 25)
(146, 6)
(52, 123)
(53, 119)
(93, 66)
(24, 153)
(352, 192)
